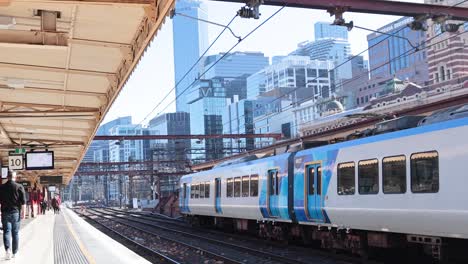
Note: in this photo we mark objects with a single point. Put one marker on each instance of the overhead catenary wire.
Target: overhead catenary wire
(353, 57)
(348, 60)
(224, 55)
(329, 71)
(190, 70)
(408, 53)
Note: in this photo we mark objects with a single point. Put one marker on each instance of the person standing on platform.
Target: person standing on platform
(54, 204)
(59, 202)
(12, 198)
(43, 206)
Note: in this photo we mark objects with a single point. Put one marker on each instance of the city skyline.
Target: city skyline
(154, 76)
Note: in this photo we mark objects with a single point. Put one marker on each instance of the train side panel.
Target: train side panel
(441, 213)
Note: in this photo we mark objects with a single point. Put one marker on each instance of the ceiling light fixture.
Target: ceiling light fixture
(7, 22)
(15, 83)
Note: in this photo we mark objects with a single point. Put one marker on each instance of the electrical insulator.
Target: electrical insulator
(451, 27)
(418, 25)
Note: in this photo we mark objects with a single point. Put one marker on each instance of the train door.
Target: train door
(313, 192)
(218, 195)
(273, 192)
(185, 196)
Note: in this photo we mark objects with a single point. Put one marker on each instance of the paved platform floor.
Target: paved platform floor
(67, 239)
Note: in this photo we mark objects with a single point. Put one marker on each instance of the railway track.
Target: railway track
(146, 251)
(250, 246)
(164, 246)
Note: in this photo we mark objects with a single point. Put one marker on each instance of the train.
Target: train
(383, 190)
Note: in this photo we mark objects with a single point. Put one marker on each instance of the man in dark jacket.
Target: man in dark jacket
(12, 197)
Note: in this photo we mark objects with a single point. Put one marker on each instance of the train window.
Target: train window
(202, 190)
(425, 172)
(245, 186)
(346, 178)
(192, 191)
(273, 182)
(319, 180)
(184, 194)
(394, 174)
(254, 185)
(207, 189)
(237, 186)
(368, 176)
(229, 187)
(197, 194)
(310, 180)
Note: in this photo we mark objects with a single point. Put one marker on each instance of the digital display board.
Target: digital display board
(50, 179)
(40, 160)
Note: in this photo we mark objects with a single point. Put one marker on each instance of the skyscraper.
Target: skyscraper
(387, 56)
(190, 41)
(235, 64)
(238, 119)
(336, 50)
(326, 30)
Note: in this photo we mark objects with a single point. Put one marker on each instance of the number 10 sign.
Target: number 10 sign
(15, 162)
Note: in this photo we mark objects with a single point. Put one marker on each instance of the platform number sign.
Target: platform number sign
(16, 162)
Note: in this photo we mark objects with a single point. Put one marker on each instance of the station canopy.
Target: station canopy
(62, 64)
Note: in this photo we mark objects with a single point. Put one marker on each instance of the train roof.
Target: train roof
(451, 113)
(361, 141)
(392, 135)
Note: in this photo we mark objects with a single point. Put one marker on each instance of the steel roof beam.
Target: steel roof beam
(127, 172)
(381, 7)
(35, 106)
(57, 91)
(55, 69)
(33, 37)
(86, 164)
(34, 127)
(155, 137)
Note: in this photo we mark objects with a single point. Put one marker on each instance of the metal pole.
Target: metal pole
(120, 190)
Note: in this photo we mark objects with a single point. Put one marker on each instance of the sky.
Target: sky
(153, 77)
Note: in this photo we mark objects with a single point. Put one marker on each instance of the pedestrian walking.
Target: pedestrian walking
(54, 204)
(43, 206)
(12, 198)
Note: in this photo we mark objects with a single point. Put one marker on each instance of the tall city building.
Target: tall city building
(273, 116)
(234, 64)
(126, 150)
(208, 100)
(294, 72)
(170, 155)
(256, 84)
(290, 83)
(98, 151)
(388, 55)
(238, 119)
(352, 88)
(335, 50)
(447, 54)
(190, 41)
(172, 124)
(327, 30)
(224, 81)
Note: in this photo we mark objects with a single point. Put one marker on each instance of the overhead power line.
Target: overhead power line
(190, 70)
(225, 54)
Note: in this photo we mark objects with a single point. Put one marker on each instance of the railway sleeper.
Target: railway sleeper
(357, 242)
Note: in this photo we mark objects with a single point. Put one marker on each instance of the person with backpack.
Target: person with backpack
(12, 198)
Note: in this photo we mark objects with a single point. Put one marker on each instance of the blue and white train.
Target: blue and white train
(408, 186)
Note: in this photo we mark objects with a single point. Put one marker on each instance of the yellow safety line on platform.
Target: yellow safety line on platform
(83, 249)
